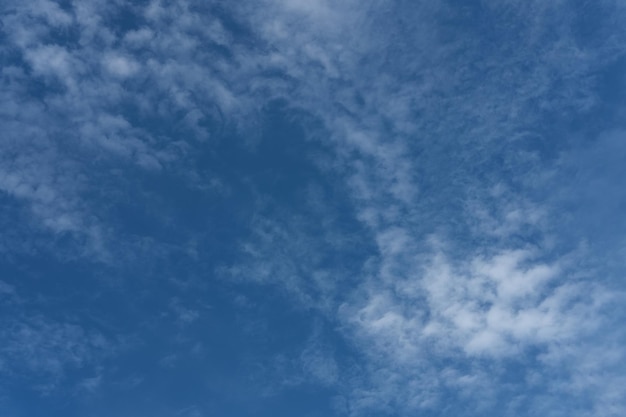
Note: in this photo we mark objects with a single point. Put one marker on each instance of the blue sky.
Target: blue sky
(312, 208)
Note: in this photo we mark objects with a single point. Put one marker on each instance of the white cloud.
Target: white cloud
(54, 61)
(120, 66)
(435, 123)
(417, 117)
(45, 350)
(78, 125)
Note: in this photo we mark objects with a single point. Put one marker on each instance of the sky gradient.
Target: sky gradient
(312, 208)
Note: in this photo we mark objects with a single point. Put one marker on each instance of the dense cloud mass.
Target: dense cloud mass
(312, 208)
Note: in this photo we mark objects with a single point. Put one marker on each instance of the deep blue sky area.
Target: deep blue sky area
(312, 208)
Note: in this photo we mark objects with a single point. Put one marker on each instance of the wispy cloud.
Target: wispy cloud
(425, 156)
(443, 256)
(42, 351)
(90, 109)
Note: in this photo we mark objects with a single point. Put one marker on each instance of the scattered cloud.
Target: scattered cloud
(460, 228)
(42, 351)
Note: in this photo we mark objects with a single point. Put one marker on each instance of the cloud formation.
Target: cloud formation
(437, 182)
